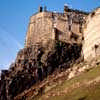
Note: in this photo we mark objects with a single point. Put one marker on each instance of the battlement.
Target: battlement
(63, 14)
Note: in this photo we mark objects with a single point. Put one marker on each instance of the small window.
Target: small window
(96, 46)
(69, 27)
(80, 29)
(82, 38)
(12, 68)
(74, 36)
(93, 14)
(19, 61)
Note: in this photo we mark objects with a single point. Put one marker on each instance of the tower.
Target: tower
(40, 9)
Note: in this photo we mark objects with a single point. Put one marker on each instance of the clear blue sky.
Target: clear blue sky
(14, 19)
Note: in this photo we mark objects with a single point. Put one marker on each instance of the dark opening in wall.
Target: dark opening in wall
(82, 38)
(74, 36)
(97, 49)
(57, 33)
(19, 61)
(93, 14)
(69, 28)
(12, 68)
(70, 22)
(96, 46)
(80, 28)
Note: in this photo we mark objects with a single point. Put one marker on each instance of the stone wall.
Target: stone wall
(91, 44)
(42, 25)
(38, 26)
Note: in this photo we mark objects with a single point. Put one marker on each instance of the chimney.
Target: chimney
(40, 9)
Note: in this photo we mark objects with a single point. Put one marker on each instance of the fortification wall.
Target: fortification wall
(91, 44)
(41, 27)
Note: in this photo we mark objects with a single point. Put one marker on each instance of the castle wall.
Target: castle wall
(91, 44)
(41, 27)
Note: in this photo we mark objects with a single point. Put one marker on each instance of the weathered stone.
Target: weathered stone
(91, 43)
(45, 26)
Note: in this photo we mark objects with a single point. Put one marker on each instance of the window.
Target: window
(96, 46)
(93, 14)
(69, 27)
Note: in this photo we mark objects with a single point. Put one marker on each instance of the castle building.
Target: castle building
(46, 25)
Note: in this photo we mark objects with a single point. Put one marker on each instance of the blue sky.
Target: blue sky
(14, 19)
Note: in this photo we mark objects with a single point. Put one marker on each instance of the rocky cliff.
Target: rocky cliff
(36, 62)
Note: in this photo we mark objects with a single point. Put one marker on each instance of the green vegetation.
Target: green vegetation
(83, 92)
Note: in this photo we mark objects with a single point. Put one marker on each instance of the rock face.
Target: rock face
(36, 62)
(91, 44)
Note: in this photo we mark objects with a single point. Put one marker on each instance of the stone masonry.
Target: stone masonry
(45, 25)
(91, 44)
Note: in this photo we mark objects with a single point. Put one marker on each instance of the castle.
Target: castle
(66, 26)
(71, 34)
